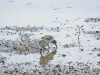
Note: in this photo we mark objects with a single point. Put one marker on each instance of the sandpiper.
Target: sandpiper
(50, 39)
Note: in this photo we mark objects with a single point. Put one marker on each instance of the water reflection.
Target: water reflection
(45, 59)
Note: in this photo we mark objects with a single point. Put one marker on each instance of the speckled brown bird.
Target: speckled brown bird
(50, 39)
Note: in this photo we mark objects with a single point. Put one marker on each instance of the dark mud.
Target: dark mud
(92, 20)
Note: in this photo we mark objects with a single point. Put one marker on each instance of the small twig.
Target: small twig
(79, 35)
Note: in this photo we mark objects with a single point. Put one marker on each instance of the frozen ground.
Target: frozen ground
(29, 20)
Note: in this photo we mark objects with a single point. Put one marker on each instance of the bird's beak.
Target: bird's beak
(56, 46)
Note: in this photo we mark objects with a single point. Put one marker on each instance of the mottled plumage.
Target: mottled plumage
(48, 37)
(43, 43)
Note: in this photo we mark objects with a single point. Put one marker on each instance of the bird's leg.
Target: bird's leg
(43, 50)
(41, 53)
(40, 50)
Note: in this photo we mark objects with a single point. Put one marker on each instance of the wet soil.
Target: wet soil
(24, 45)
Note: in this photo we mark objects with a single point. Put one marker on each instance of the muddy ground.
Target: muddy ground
(24, 45)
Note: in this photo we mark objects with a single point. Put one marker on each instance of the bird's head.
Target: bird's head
(54, 42)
